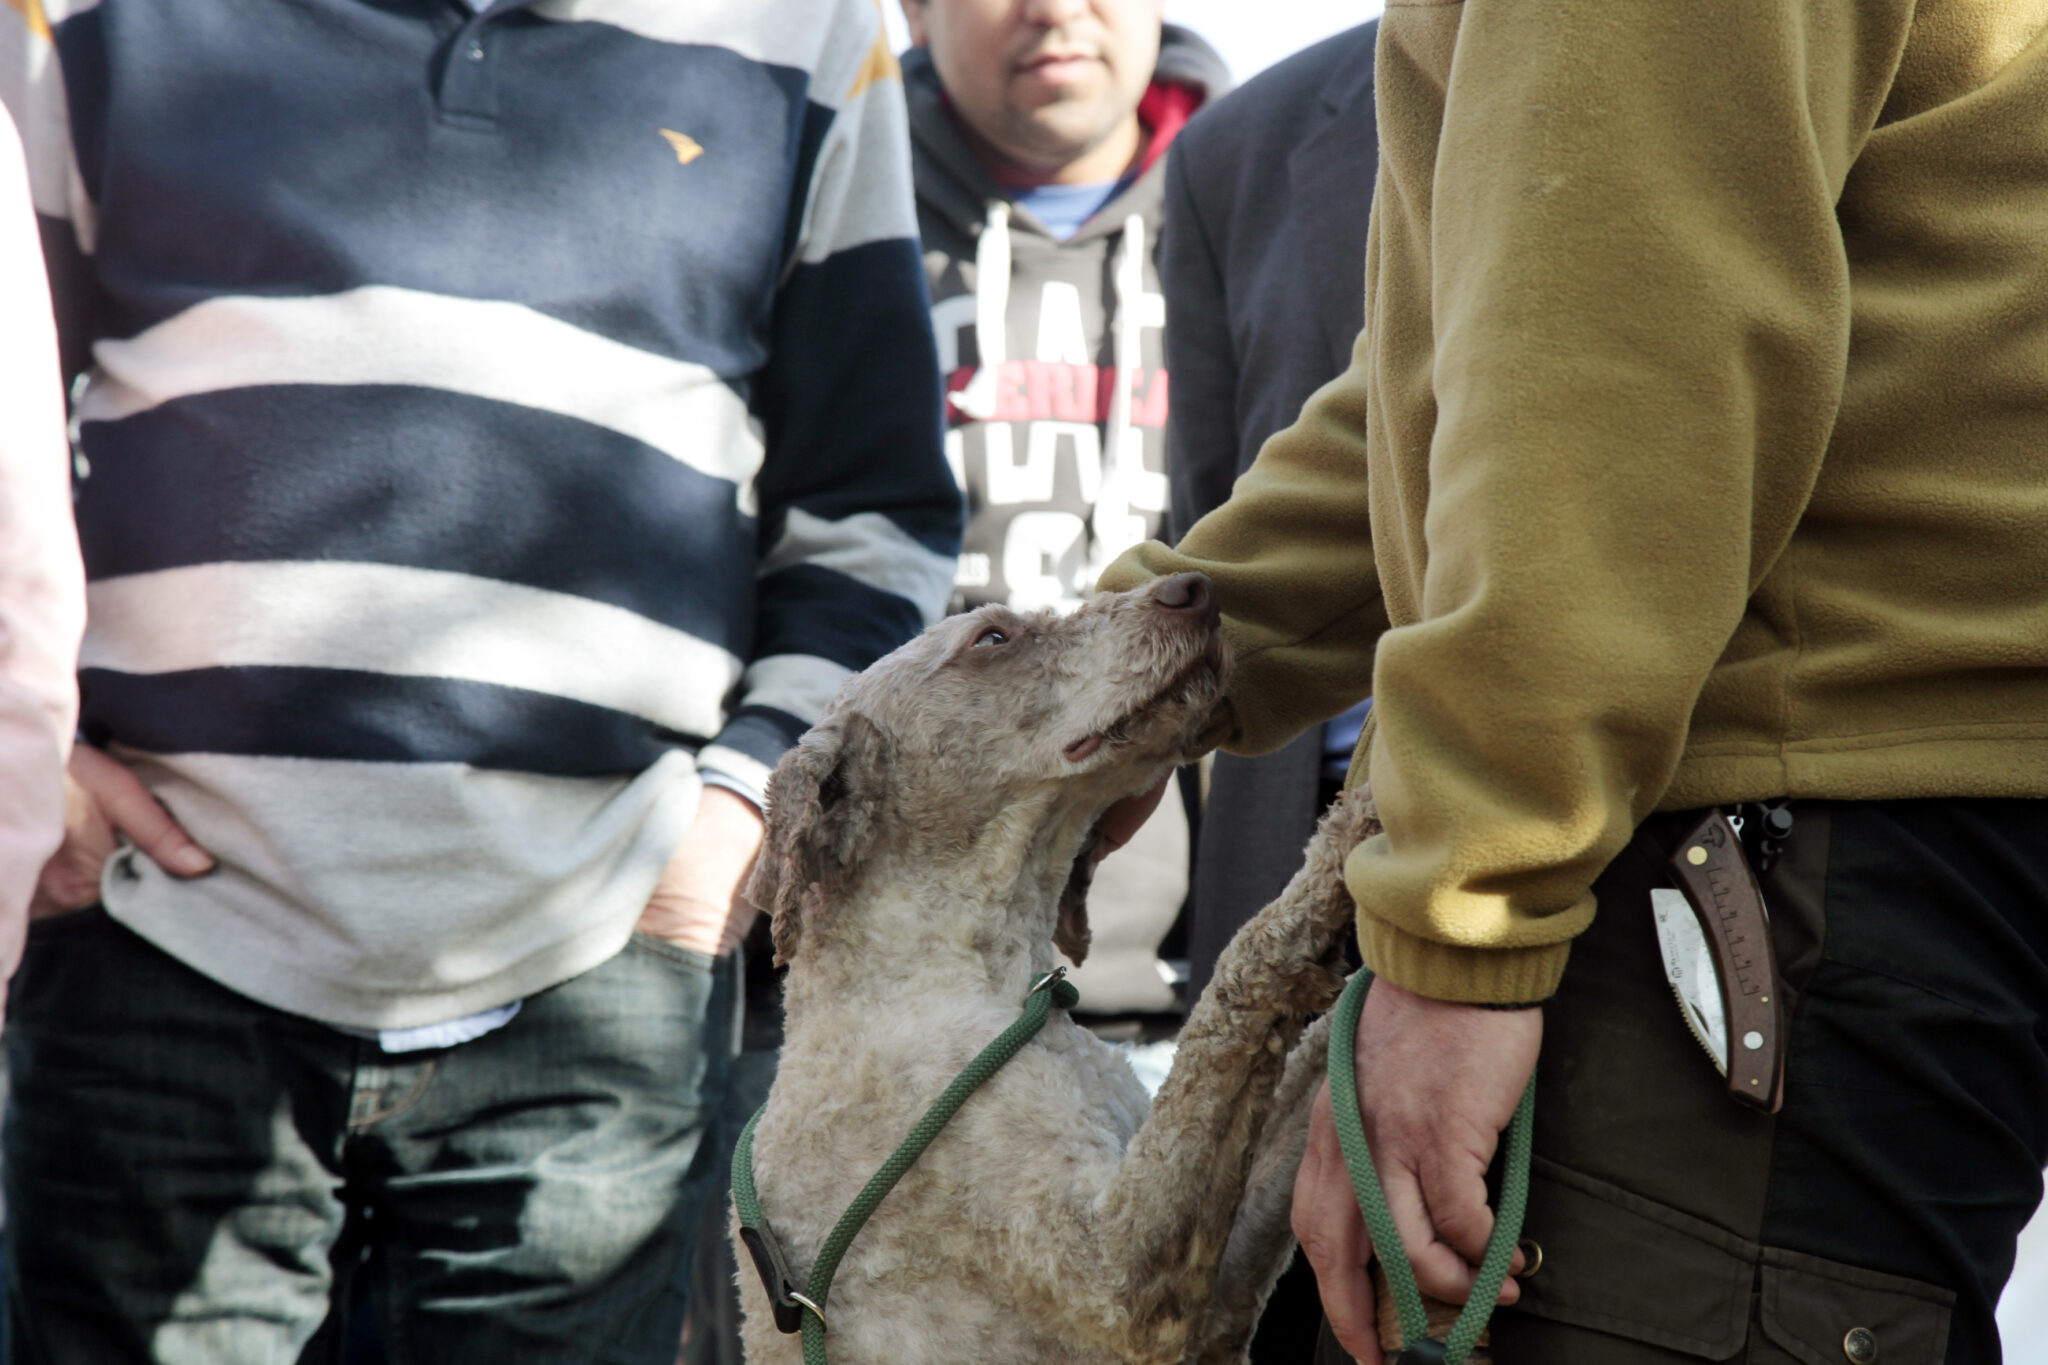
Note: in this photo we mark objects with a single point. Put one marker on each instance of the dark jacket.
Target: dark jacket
(1263, 265)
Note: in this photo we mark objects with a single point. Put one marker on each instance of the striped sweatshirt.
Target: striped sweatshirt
(492, 424)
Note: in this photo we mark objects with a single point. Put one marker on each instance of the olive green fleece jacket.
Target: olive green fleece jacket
(1695, 449)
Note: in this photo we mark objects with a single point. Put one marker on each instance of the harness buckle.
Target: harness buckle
(789, 1305)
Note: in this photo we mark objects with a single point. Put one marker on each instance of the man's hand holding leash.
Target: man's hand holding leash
(1437, 1082)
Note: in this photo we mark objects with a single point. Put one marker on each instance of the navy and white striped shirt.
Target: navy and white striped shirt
(492, 420)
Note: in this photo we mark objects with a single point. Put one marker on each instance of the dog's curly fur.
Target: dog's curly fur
(928, 845)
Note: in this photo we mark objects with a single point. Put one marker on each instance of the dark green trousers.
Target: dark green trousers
(1873, 1220)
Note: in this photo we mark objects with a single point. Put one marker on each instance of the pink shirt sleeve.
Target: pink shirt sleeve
(42, 585)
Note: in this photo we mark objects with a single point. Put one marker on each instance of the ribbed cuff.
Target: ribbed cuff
(1471, 976)
(751, 744)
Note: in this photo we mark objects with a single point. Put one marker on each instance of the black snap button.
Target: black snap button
(1860, 1345)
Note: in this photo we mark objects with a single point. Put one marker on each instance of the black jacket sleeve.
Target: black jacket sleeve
(1201, 426)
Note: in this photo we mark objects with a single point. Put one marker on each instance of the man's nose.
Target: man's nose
(1054, 13)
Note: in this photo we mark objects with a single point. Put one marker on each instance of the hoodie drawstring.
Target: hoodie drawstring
(991, 304)
(1114, 526)
(1123, 449)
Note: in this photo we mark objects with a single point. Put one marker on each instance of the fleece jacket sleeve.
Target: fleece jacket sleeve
(1607, 331)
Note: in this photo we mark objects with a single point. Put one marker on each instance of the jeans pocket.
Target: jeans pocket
(57, 948)
(1820, 1312)
(67, 921)
(687, 958)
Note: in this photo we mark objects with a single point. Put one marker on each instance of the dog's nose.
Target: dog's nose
(1192, 593)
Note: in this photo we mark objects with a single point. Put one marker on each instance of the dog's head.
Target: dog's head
(1024, 724)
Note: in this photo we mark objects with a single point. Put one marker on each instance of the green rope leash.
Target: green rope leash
(808, 1307)
(1418, 1348)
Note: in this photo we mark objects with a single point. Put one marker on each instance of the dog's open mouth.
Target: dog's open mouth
(1180, 689)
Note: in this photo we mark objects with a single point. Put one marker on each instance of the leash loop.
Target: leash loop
(1418, 1347)
(805, 1311)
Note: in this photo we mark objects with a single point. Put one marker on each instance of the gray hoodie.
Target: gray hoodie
(1056, 426)
(1056, 378)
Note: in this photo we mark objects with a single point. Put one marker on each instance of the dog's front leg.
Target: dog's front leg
(1166, 1217)
(1262, 1239)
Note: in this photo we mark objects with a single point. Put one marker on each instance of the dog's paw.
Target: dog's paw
(1319, 887)
(1310, 988)
(1351, 819)
(1281, 960)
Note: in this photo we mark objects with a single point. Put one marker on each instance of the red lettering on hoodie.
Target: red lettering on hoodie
(1051, 390)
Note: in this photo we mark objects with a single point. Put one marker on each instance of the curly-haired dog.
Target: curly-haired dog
(928, 846)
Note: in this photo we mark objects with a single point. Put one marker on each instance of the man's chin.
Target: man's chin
(1057, 132)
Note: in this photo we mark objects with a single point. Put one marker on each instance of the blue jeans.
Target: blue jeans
(192, 1177)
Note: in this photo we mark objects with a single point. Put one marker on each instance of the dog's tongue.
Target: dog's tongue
(1080, 749)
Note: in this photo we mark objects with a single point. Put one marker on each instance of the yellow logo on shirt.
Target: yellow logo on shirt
(32, 13)
(688, 149)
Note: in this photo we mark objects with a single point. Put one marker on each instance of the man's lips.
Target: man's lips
(1057, 67)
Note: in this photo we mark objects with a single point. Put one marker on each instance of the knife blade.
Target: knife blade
(1689, 967)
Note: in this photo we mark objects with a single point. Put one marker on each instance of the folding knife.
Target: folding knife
(1716, 941)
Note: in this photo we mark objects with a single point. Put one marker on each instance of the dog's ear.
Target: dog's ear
(823, 813)
(1070, 933)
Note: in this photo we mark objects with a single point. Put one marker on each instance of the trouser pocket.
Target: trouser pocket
(1823, 1313)
(1626, 1279)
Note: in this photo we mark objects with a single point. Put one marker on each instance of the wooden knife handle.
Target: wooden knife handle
(1723, 893)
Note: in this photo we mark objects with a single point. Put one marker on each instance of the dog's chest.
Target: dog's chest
(956, 1262)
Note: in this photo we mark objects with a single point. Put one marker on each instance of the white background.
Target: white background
(1252, 35)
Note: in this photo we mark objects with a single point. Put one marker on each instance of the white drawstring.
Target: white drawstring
(991, 303)
(1116, 530)
(1114, 527)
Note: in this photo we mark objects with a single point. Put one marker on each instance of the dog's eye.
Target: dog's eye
(991, 637)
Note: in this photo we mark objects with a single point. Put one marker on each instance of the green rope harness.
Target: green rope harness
(1418, 1348)
(807, 1309)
